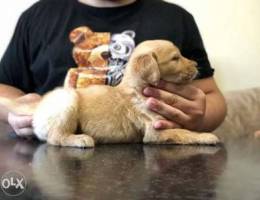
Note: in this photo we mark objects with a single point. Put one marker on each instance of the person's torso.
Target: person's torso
(62, 29)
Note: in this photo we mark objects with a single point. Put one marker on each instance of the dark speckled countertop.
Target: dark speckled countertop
(142, 172)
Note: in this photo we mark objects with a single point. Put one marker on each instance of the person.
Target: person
(40, 54)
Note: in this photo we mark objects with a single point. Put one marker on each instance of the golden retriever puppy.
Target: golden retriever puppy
(105, 114)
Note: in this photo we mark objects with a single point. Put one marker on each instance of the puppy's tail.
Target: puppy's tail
(18, 108)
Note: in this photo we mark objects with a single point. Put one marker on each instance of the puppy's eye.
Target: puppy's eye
(176, 58)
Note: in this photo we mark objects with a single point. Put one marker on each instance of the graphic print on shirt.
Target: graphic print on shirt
(101, 57)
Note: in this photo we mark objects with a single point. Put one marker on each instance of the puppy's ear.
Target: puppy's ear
(147, 68)
(80, 34)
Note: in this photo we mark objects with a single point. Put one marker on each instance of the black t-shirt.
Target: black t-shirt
(40, 52)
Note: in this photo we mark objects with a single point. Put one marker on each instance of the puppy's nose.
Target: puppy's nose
(192, 70)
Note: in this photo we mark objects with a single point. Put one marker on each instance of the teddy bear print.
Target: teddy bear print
(100, 57)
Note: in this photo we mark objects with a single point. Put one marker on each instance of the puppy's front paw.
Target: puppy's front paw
(81, 141)
(208, 138)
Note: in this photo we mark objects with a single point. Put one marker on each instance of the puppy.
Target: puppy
(105, 114)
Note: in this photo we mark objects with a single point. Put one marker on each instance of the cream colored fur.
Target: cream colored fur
(105, 114)
(243, 116)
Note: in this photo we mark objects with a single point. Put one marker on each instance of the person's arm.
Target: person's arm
(21, 124)
(216, 108)
(199, 106)
(15, 75)
(8, 92)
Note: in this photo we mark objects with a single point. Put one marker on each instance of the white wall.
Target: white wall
(9, 13)
(231, 34)
(230, 30)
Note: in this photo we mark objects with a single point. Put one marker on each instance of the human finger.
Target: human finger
(167, 111)
(185, 91)
(169, 98)
(165, 124)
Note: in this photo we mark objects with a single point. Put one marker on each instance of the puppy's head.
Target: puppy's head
(160, 59)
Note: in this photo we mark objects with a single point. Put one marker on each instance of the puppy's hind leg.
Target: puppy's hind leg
(56, 120)
(180, 136)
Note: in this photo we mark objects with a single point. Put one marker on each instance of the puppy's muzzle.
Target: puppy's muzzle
(191, 72)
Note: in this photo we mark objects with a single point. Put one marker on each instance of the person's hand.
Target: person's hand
(21, 123)
(182, 106)
(257, 134)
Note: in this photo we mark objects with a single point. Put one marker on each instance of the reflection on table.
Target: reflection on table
(131, 171)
